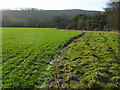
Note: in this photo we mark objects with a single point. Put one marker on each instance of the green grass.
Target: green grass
(88, 62)
(26, 52)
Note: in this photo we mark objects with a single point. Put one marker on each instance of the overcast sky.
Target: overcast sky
(54, 4)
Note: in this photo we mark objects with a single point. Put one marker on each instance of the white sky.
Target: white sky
(54, 4)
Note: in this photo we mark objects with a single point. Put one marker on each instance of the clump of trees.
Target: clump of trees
(82, 22)
(106, 21)
(112, 13)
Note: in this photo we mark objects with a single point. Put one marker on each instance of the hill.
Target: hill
(26, 16)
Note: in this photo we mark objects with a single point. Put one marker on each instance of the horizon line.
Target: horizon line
(27, 8)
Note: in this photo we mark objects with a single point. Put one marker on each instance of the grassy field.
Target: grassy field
(26, 53)
(88, 62)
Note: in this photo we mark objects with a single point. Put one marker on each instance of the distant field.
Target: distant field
(26, 52)
(88, 62)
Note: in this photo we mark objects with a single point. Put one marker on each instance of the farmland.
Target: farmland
(88, 62)
(26, 53)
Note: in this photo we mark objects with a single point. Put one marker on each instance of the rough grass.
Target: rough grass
(88, 62)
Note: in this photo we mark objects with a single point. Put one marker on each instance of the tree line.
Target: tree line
(107, 20)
